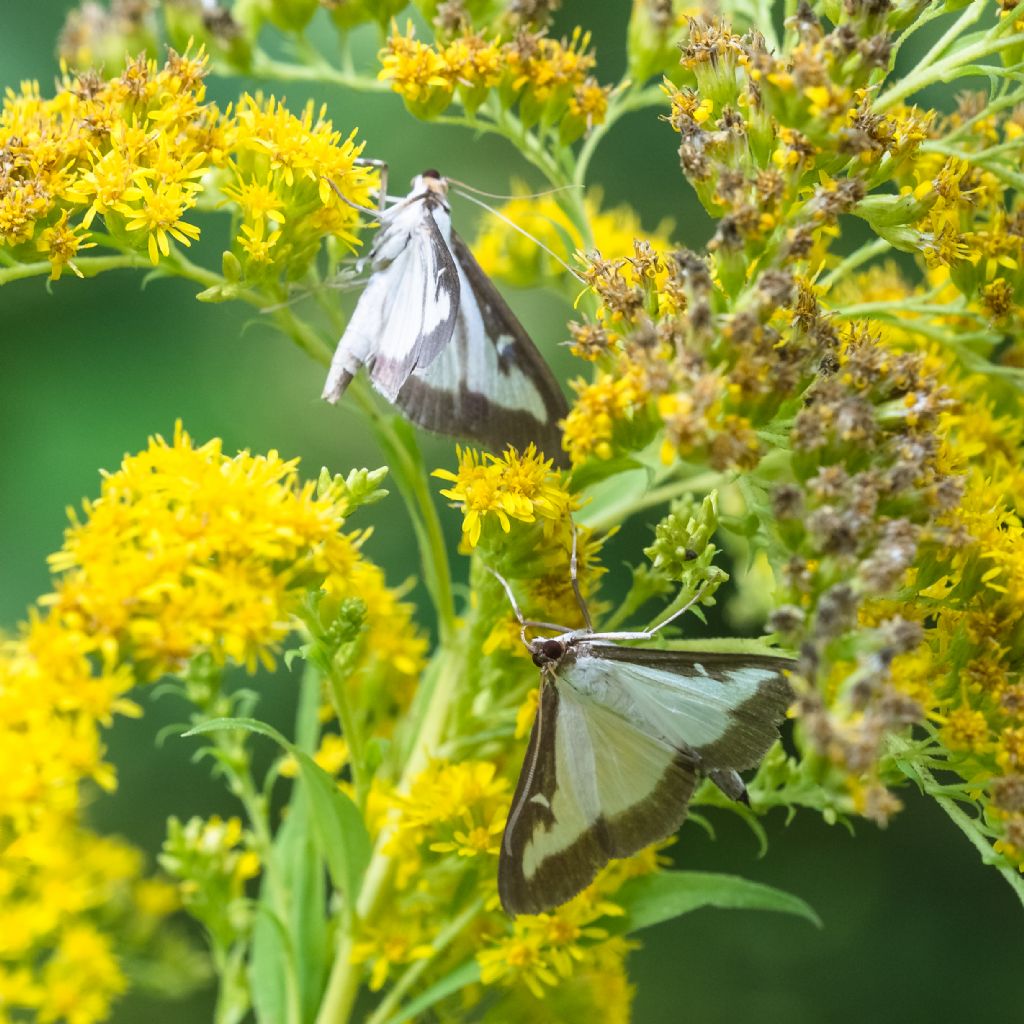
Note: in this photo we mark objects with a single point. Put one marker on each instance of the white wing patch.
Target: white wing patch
(472, 362)
(406, 314)
(681, 710)
(604, 768)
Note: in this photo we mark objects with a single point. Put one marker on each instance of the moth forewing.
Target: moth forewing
(407, 312)
(623, 736)
(439, 341)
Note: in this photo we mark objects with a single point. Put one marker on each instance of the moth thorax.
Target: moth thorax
(546, 651)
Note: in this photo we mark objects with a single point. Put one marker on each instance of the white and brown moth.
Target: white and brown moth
(439, 341)
(622, 737)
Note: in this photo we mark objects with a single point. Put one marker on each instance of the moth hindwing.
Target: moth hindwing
(439, 341)
(622, 737)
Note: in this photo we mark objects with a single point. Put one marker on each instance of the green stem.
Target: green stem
(265, 66)
(402, 456)
(621, 105)
(944, 69)
(860, 256)
(969, 826)
(970, 15)
(353, 734)
(701, 483)
(343, 983)
(90, 266)
(415, 970)
(236, 763)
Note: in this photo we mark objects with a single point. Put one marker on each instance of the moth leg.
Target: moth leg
(573, 564)
(382, 166)
(675, 615)
(348, 202)
(525, 623)
(648, 634)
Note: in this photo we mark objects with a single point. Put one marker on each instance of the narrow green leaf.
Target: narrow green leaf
(467, 973)
(269, 963)
(339, 827)
(300, 869)
(655, 898)
(247, 724)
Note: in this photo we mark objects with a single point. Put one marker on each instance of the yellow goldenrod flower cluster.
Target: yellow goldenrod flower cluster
(186, 555)
(511, 487)
(546, 80)
(126, 164)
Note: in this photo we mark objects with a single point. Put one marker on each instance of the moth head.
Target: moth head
(431, 180)
(546, 650)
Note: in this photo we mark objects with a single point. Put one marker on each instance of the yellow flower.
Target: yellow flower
(965, 729)
(515, 486)
(61, 244)
(609, 400)
(388, 945)
(418, 73)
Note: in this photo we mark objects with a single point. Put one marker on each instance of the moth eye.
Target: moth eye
(553, 650)
(431, 173)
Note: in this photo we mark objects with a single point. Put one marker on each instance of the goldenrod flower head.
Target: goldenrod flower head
(514, 486)
(391, 944)
(600, 406)
(418, 72)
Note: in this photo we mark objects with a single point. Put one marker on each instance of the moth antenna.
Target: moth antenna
(680, 611)
(574, 578)
(522, 195)
(516, 227)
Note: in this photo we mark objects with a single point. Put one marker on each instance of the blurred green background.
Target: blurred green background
(915, 928)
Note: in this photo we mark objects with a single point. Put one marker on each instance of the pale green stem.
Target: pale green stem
(338, 686)
(942, 70)
(937, 10)
(90, 266)
(966, 823)
(987, 159)
(923, 308)
(256, 810)
(343, 983)
(407, 473)
(618, 108)
(265, 66)
(412, 974)
(699, 484)
(970, 15)
(1010, 99)
(866, 252)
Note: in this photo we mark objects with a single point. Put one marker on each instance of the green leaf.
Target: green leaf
(246, 724)
(340, 829)
(270, 962)
(300, 868)
(593, 471)
(467, 973)
(660, 897)
(613, 497)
